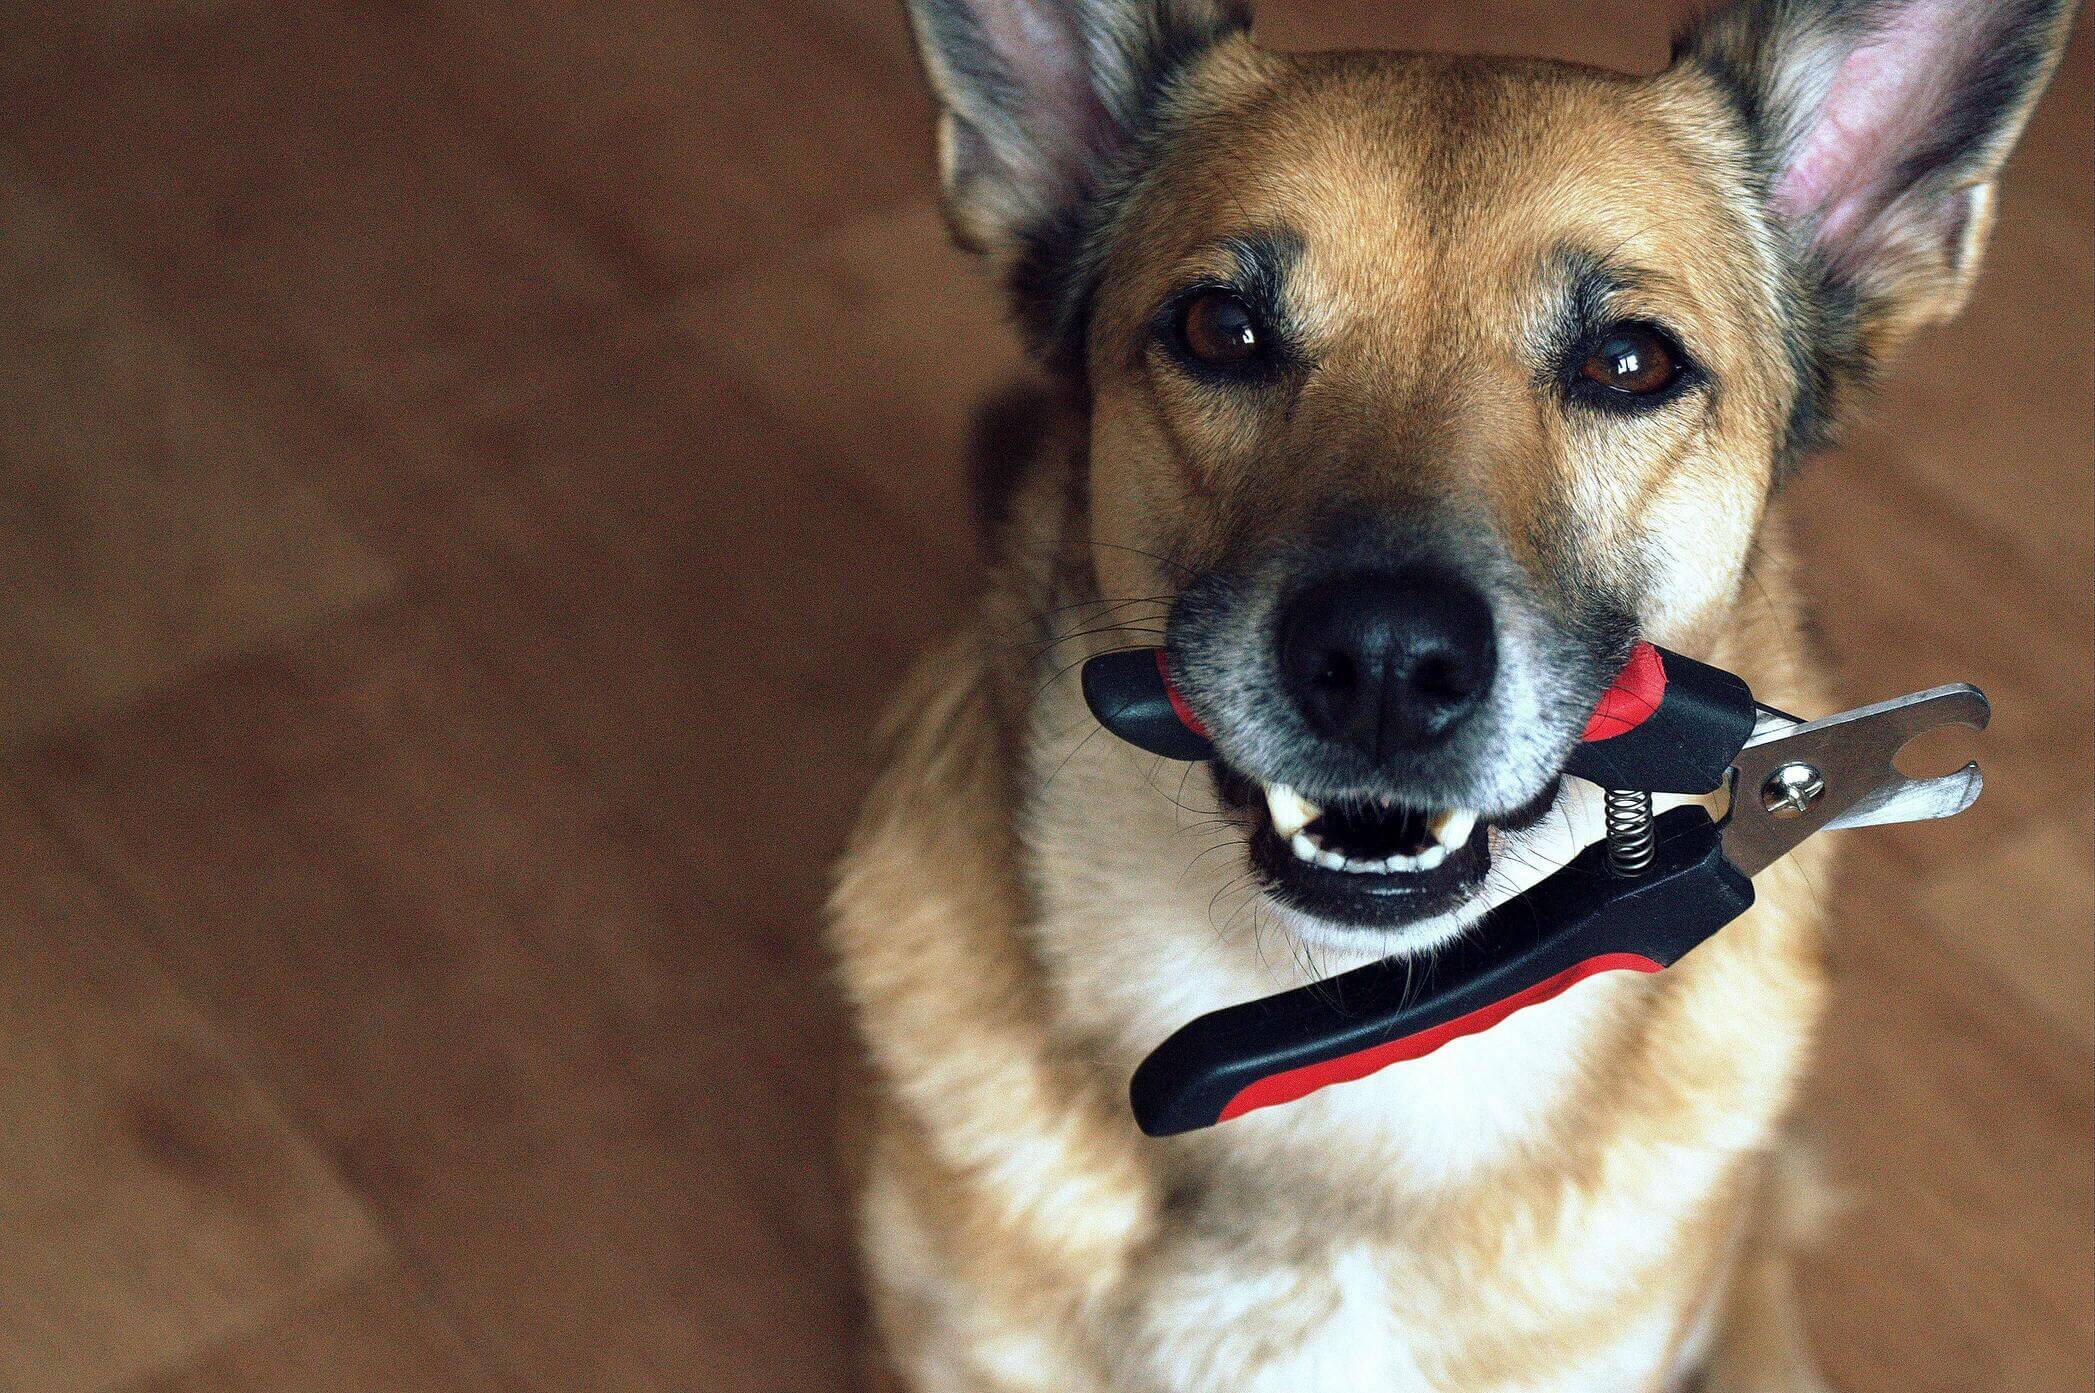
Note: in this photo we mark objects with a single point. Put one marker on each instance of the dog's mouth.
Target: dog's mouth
(1382, 838)
(1374, 862)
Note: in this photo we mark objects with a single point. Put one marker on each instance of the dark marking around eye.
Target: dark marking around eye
(1599, 358)
(1233, 329)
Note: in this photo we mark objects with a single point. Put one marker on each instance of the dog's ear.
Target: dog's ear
(1883, 125)
(1040, 98)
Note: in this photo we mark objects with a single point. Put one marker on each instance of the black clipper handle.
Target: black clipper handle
(1131, 695)
(1668, 725)
(1579, 922)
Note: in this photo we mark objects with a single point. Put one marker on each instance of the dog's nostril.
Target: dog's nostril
(1453, 677)
(1441, 677)
(1387, 661)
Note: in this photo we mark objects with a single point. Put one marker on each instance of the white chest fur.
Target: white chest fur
(1346, 1316)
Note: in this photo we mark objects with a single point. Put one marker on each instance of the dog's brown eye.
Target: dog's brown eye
(1220, 330)
(1633, 360)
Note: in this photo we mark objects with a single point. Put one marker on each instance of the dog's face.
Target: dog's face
(1423, 387)
(1442, 382)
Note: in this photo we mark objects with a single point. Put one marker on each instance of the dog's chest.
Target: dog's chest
(1283, 1304)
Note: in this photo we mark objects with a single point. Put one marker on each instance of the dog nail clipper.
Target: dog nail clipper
(1637, 901)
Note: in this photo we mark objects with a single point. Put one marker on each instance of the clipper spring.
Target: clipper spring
(1632, 837)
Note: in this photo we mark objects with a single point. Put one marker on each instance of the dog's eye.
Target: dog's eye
(1631, 360)
(1218, 329)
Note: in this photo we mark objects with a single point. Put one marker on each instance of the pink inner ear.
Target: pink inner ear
(1880, 102)
(1041, 47)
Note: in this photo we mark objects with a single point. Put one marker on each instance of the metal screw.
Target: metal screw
(1791, 790)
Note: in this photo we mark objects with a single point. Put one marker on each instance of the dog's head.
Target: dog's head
(1423, 386)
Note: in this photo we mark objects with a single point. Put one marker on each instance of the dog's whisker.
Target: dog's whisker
(1093, 734)
(1161, 560)
(1226, 844)
(1050, 551)
(1046, 619)
(1043, 647)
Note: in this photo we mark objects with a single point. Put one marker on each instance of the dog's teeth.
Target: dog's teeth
(1291, 811)
(1292, 815)
(1451, 830)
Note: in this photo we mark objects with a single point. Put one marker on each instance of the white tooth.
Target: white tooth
(1331, 860)
(1452, 829)
(1291, 811)
(1431, 857)
(1304, 848)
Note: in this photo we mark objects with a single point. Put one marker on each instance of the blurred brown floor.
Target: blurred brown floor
(466, 475)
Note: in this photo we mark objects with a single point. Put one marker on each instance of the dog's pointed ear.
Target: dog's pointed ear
(1038, 98)
(1883, 125)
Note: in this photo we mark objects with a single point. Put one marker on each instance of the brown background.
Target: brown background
(467, 474)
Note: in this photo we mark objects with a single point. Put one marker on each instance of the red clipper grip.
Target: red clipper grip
(1578, 923)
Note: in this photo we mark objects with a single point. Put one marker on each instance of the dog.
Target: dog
(1395, 396)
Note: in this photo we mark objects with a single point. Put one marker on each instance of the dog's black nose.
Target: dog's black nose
(1387, 661)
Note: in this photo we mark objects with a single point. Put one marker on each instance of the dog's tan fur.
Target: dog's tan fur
(1591, 1196)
